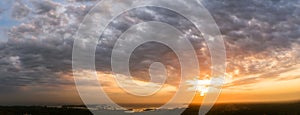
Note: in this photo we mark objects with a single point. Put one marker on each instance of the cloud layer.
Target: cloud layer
(259, 35)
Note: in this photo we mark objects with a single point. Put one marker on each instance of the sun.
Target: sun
(202, 90)
(200, 86)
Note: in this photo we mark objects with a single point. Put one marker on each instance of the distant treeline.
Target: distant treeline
(42, 110)
(249, 109)
(218, 109)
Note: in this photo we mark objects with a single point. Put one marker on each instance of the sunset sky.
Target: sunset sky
(262, 40)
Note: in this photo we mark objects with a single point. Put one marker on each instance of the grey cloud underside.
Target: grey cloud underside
(38, 65)
(266, 30)
(44, 6)
(44, 46)
(151, 52)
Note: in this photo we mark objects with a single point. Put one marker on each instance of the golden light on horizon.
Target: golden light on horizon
(200, 86)
(237, 88)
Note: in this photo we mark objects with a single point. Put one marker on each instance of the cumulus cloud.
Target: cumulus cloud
(20, 10)
(145, 55)
(38, 51)
(44, 6)
(260, 35)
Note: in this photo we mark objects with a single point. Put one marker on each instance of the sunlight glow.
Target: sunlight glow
(200, 86)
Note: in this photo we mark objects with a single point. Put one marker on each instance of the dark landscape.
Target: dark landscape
(250, 109)
(218, 109)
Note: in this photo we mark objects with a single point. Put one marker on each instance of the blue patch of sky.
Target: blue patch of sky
(5, 16)
(6, 21)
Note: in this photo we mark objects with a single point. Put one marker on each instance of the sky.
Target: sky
(36, 39)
